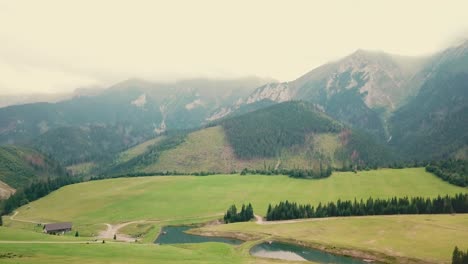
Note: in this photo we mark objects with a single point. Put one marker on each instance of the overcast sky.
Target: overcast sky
(56, 46)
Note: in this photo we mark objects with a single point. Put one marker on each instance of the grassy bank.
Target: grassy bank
(429, 238)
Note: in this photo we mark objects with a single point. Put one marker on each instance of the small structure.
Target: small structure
(57, 228)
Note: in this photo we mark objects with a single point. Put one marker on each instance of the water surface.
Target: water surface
(279, 250)
(176, 235)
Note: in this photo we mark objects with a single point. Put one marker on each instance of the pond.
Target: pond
(177, 235)
(278, 250)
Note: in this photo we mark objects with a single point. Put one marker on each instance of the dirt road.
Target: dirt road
(13, 218)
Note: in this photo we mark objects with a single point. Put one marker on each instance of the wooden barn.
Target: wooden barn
(57, 228)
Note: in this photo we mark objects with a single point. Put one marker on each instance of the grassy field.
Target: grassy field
(91, 204)
(189, 199)
(21, 246)
(427, 237)
(14, 234)
(138, 149)
(119, 253)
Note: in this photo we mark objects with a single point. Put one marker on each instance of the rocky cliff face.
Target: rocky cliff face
(358, 89)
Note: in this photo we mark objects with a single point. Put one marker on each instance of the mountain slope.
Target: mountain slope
(434, 124)
(359, 90)
(19, 166)
(98, 125)
(263, 133)
(74, 145)
(283, 136)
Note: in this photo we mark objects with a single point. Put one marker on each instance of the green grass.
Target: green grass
(190, 199)
(427, 237)
(90, 204)
(138, 149)
(21, 246)
(14, 234)
(120, 253)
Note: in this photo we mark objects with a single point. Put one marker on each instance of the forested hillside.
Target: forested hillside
(453, 171)
(265, 132)
(19, 166)
(73, 145)
(286, 136)
(434, 124)
(268, 132)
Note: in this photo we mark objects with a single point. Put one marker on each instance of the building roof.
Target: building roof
(58, 226)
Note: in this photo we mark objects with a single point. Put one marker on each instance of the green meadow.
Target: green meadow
(426, 237)
(173, 198)
(167, 200)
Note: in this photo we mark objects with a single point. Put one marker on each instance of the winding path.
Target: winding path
(12, 217)
(114, 229)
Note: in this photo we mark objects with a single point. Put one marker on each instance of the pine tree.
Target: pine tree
(456, 256)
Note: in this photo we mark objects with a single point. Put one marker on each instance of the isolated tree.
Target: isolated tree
(77, 234)
(456, 256)
(115, 236)
(245, 214)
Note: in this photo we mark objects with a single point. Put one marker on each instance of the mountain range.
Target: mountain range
(377, 108)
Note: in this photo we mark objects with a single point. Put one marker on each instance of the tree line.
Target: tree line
(459, 256)
(293, 173)
(452, 171)
(415, 205)
(246, 214)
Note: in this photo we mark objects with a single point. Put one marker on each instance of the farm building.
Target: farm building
(57, 228)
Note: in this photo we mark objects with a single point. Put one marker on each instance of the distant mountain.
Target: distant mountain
(8, 100)
(131, 111)
(287, 135)
(359, 89)
(19, 166)
(20, 99)
(415, 106)
(434, 123)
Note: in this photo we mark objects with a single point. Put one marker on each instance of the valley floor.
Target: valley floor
(136, 208)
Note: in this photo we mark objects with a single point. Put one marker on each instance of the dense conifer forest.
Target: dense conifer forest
(415, 205)
(265, 132)
(453, 171)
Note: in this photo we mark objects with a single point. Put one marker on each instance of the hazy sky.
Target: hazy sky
(55, 46)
